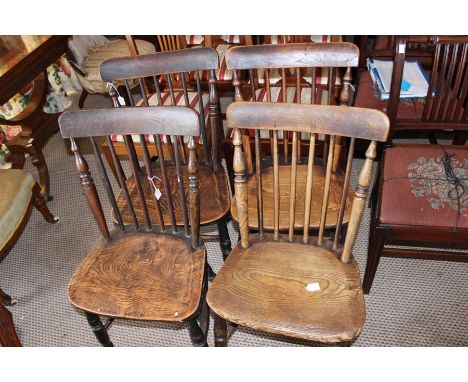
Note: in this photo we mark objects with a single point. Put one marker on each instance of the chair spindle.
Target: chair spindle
(344, 193)
(309, 182)
(326, 191)
(105, 179)
(180, 184)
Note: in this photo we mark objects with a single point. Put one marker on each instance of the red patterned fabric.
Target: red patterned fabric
(415, 187)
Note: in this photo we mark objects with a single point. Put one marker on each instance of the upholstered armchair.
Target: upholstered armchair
(90, 51)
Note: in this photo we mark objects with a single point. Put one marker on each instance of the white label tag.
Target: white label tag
(313, 287)
(401, 48)
(121, 100)
(157, 193)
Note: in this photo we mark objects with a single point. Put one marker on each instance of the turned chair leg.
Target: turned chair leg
(5, 299)
(220, 332)
(37, 159)
(41, 205)
(224, 239)
(374, 252)
(99, 329)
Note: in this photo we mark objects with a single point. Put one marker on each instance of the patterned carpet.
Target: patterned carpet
(412, 303)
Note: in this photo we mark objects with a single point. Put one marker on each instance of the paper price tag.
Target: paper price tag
(313, 287)
(157, 193)
(121, 100)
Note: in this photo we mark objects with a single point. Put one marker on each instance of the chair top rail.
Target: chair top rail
(177, 61)
(295, 55)
(167, 120)
(345, 121)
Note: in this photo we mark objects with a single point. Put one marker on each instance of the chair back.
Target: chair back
(174, 79)
(170, 121)
(333, 121)
(300, 70)
(445, 105)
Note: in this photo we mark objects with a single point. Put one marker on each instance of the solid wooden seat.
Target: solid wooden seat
(149, 269)
(284, 184)
(265, 286)
(140, 276)
(214, 195)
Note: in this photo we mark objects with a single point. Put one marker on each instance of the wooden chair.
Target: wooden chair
(289, 284)
(421, 197)
(185, 65)
(151, 270)
(283, 59)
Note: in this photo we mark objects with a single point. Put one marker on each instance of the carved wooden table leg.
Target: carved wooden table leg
(8, 336)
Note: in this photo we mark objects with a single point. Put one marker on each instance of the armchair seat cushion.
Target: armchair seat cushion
(415, 190)
(16, 186)
(93, 82)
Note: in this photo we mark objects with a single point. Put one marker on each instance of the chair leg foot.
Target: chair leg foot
(196, 334)
(99, 329)
(376, 244)
(6, 300)
(224, 240)
(220, 332)
(40, 204)
(211, 273)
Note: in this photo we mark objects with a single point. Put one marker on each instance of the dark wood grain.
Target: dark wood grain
(214, 196)
(159, 63)
(165, 283)
(170, 120)
(292, 55)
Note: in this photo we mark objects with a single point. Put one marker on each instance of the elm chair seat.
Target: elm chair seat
(140, 276)
(271, 281)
